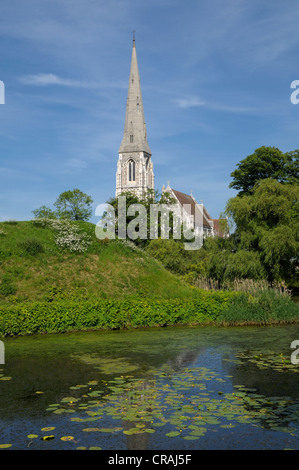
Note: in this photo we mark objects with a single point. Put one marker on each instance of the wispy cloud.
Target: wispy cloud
(44, 79)
(189, 102)
(194, 102)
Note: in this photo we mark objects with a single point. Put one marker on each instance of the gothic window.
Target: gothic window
(131, 138)
(131, 170)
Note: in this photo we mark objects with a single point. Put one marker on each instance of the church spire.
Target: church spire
(134, 167)
(135, 137)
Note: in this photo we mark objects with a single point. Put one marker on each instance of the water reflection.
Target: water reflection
(162, 388)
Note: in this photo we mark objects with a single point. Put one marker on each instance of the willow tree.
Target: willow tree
(267, 223)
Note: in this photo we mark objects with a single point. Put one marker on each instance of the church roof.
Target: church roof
(135, 137)
(186, 199)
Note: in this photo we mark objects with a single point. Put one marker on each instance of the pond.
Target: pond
(166, 388)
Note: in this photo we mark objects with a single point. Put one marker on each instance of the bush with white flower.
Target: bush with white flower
(68, 235)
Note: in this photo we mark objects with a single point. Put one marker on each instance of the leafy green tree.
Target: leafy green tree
(292, 166)
(265, 162)
(170, 253)
(226, 265)
(142, 233)
(44, 212)
(74, 205)
(267, 223)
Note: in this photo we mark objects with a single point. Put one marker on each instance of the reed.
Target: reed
(250, 286)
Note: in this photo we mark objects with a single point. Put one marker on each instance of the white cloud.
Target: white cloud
(44, 79)
(189, 102)
(193, 101)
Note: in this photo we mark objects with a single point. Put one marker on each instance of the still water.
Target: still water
(179, 388)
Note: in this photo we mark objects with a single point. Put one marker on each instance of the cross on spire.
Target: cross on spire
(134, 35)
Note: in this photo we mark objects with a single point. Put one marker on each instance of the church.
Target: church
(135, 171)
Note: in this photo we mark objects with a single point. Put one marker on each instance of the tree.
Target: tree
(74, 205)
(265, 162)
(44, 212)
(267, 223)
(139, 224)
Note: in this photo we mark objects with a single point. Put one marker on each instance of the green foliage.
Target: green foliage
(65, 315)
(7, 287)
(10, 222)
(173, 256)
(205, 308)
(267, 224)
(107, 269)
(139, 233)
(44, 212)
(224, 263)
(264, 307)
(265, 162)
(74, 205)
(169, 252)
(31, 246)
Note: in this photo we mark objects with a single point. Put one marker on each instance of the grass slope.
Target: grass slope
(111, 269)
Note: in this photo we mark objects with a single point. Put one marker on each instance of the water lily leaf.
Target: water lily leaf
(116, 429)
(69, 400)
(91, 429)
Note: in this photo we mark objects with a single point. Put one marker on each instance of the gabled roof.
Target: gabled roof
(186, 199)
(217, 229)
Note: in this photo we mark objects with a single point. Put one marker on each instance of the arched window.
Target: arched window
(131, 170)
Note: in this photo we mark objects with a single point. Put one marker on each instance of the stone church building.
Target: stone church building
(135, 167)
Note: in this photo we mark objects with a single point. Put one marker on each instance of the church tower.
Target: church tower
(134, 168)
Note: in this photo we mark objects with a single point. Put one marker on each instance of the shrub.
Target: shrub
(11, 222)
(260, 307)
(31, 246)
(7, 287)
(209, 307)
(67, 315)
(68, 235)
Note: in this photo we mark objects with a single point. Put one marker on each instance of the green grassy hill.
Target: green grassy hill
(33, 267)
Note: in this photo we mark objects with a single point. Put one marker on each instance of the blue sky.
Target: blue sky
(215, 78)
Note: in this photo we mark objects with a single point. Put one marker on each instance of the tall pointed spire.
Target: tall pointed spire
(134, 167)
(135, 137)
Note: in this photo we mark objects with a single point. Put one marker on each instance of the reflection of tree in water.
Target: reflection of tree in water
(185, 359)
